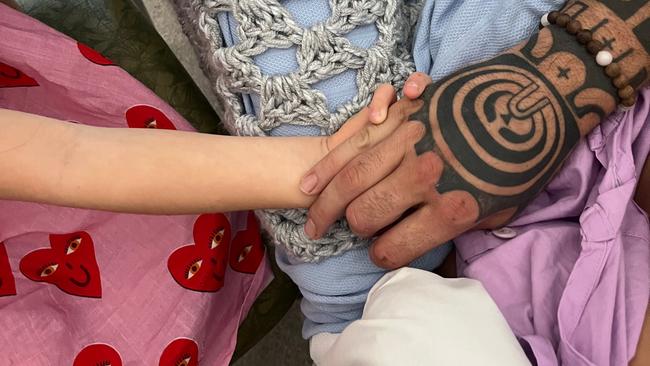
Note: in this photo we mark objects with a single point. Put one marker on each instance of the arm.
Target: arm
(152, 171)
(495, 133)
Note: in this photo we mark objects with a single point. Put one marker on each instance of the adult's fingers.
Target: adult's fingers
(382, 99)
(362, 172)
(315, 180)
(415, 85)
(435, 223)
(409, 185)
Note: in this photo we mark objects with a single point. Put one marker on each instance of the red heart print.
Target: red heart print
(93, 56)
(11, 77)
(70, 265)
(98, 354)
(202, 266)
(247, 250)
(144, 116)
(7, 281)
(180, 352)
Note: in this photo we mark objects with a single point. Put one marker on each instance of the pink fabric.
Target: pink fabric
(117, 283)
(575, 280)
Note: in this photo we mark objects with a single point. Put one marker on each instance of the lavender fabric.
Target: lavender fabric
(574, 282)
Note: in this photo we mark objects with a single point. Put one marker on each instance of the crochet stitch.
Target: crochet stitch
(322, 51)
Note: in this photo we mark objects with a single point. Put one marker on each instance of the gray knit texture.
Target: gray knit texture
(322, 52)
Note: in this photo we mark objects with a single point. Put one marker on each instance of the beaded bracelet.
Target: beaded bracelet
(604, 58)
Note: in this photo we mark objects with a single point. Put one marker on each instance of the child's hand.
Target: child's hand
(383, 98)
(377, 110)
(413, 88)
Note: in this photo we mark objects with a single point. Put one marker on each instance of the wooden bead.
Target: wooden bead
(626, 92)
(613, 70)
(563, 20)
(628, 102)
(619, 81)
(594, 47)
(552, 16)
(573, 27)
(584, 36)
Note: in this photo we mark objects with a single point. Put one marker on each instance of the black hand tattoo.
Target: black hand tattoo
(503, 128)
(501, 131)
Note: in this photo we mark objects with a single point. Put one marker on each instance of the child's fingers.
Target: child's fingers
(349, 128)
(415, 85)
(382, 99)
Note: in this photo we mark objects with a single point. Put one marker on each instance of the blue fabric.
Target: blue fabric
(335, 290)
(455, 33)
(338, 89)
(451, 34)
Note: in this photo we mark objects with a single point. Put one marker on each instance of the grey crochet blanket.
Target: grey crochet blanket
(322, 52)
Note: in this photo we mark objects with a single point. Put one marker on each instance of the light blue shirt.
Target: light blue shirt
(450, 34)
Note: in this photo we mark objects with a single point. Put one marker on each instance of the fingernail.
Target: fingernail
(310, 229)
(412, 84)
(308, 183)
(376, 115)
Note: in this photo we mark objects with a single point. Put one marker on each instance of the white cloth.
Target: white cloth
(415, 317)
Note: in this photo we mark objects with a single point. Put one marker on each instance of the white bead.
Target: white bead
(604, 58)
(544, 20)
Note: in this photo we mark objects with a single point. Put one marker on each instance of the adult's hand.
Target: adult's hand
(487, 139)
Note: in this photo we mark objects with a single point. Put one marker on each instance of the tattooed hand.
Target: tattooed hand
(494, 135)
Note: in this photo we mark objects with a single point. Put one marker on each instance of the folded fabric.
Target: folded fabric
(415, 317)
(575, 280)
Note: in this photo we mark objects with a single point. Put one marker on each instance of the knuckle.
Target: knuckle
(362, 139)
(458, 211)
(394, 253)
(385, 257)
(358, 223)
(352, 216)
(408, 134)
(365, 214)
(415, 130)
(372, 160)
(353, 175)
(427, 170)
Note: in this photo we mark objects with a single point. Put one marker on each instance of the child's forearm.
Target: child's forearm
(149, 171)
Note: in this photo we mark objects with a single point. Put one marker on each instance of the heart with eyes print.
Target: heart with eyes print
(202, 266)
(7, 282)
(144, 116)
(98, 354)
(93, 56)
(69, 264)
(180, 352)
(247, 250)
(11, 77)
